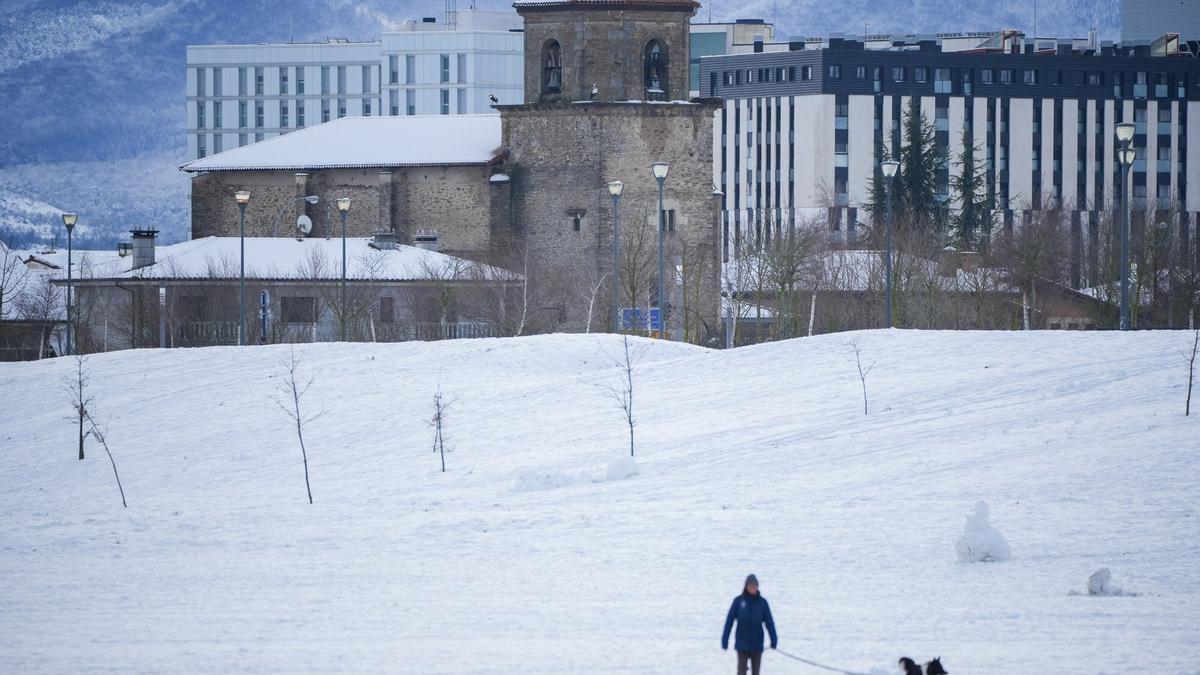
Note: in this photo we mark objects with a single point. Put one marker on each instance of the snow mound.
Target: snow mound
(620, 469)
(533, 480)
(980, 542)
(1100, 584)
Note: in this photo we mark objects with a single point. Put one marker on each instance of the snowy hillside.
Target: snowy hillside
(525, 557)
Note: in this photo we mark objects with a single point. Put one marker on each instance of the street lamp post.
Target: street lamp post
(890, 168)
(343, 204)
(242, 198)
(660, 174)
(1126, 155)
(69, 219)
(614, 189)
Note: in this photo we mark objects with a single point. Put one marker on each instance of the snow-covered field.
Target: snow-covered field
(532, 554)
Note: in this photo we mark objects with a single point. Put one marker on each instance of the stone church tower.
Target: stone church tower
(605, 89)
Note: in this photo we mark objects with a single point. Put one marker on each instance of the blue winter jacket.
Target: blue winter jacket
(750, 612)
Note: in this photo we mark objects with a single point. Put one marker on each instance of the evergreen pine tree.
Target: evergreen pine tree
(974, 220)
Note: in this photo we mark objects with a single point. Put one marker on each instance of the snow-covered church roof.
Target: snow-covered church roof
(367, 142)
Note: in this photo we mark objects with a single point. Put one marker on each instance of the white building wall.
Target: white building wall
(955, 146)
(1193, 158)
(1092, 157)
(861, 147)
(814, 142)
(1020, 150)
(1070, 155)
(1151, 154)
(1046, 151)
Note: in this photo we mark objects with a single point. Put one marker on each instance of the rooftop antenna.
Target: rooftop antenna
(451, 14)
(1035, 47)
(774, 12)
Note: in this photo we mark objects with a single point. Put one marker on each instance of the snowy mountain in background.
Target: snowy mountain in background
(94, 91)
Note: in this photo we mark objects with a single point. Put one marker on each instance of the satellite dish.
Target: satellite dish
(304, 224)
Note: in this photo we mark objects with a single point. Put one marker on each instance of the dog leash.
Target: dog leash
(818, 665)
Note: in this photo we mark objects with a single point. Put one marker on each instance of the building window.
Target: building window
(1094, 79)
(243, 116)
(299, 114)
(200, 150)
(259, 115)
(921, 74)
(217, 89)
(1118, 82)
(410, 101)
(341, 75)
(551, 67)
(445, 70)
(394, 69)
(242, 84)
(324, 79)
(366, 80)
(806, 72)
(366, 107)
(898, 74)
(200, 82)
(1139, 84)
(462, 101)
(655, 57)
(258, 136)
(200, 106)
(860, 72)
(1139, 120)
(1030, 76)
(283, 114)
(942, 119)
(243, 139)
(283, 80)
(299, 309)
(258, 81)
(835, 72)
(462, 67)
(341, 111)
(941, 81)
(218, 117)
(394, 102)
(1005, 76)
(987, 76)
(1160, 83)
(387, 310)
(217, 138)
(299, 79)
(410, 69)
(668, 220)
(729, 78)
(577, 221)
(445, 109)
(325, 110)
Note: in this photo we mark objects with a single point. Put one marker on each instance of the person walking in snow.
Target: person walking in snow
(751, 611)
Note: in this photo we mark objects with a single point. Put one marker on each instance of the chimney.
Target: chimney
(143, 247)
(384, 241)
(426, 239)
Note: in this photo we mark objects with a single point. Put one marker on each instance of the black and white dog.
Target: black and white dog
(934, 667)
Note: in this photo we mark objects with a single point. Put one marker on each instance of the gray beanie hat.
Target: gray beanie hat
(751, 580)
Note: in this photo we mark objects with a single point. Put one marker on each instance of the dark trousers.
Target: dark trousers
(753, 659)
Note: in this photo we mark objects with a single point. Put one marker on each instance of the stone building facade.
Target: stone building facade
(565, 144)
(453, 202)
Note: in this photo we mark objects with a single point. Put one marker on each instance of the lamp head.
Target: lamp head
(1125, 132)
(242, 197)
(615, 187)
(890, 168)
(1127, 156)
(312, 199)
(69, 219)
(343, 204)
(660, 169)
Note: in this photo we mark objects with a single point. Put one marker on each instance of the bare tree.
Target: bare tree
(862, 373)
(789, 264)
(440, 406)
(622, 394)
(41, 302)
(13, 274)
(1191, 359)
(294, 388)
(590, 294)
(1033, 255)
(96, 432)
(77, 386)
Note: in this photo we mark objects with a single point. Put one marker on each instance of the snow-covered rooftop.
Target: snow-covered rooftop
(308, 259)
(367, 142)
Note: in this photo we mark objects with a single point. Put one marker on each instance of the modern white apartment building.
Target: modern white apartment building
(806, 128)
(240, 94)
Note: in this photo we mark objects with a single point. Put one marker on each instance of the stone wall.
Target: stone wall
(453, 201)
(605, 47)
(563, 155)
